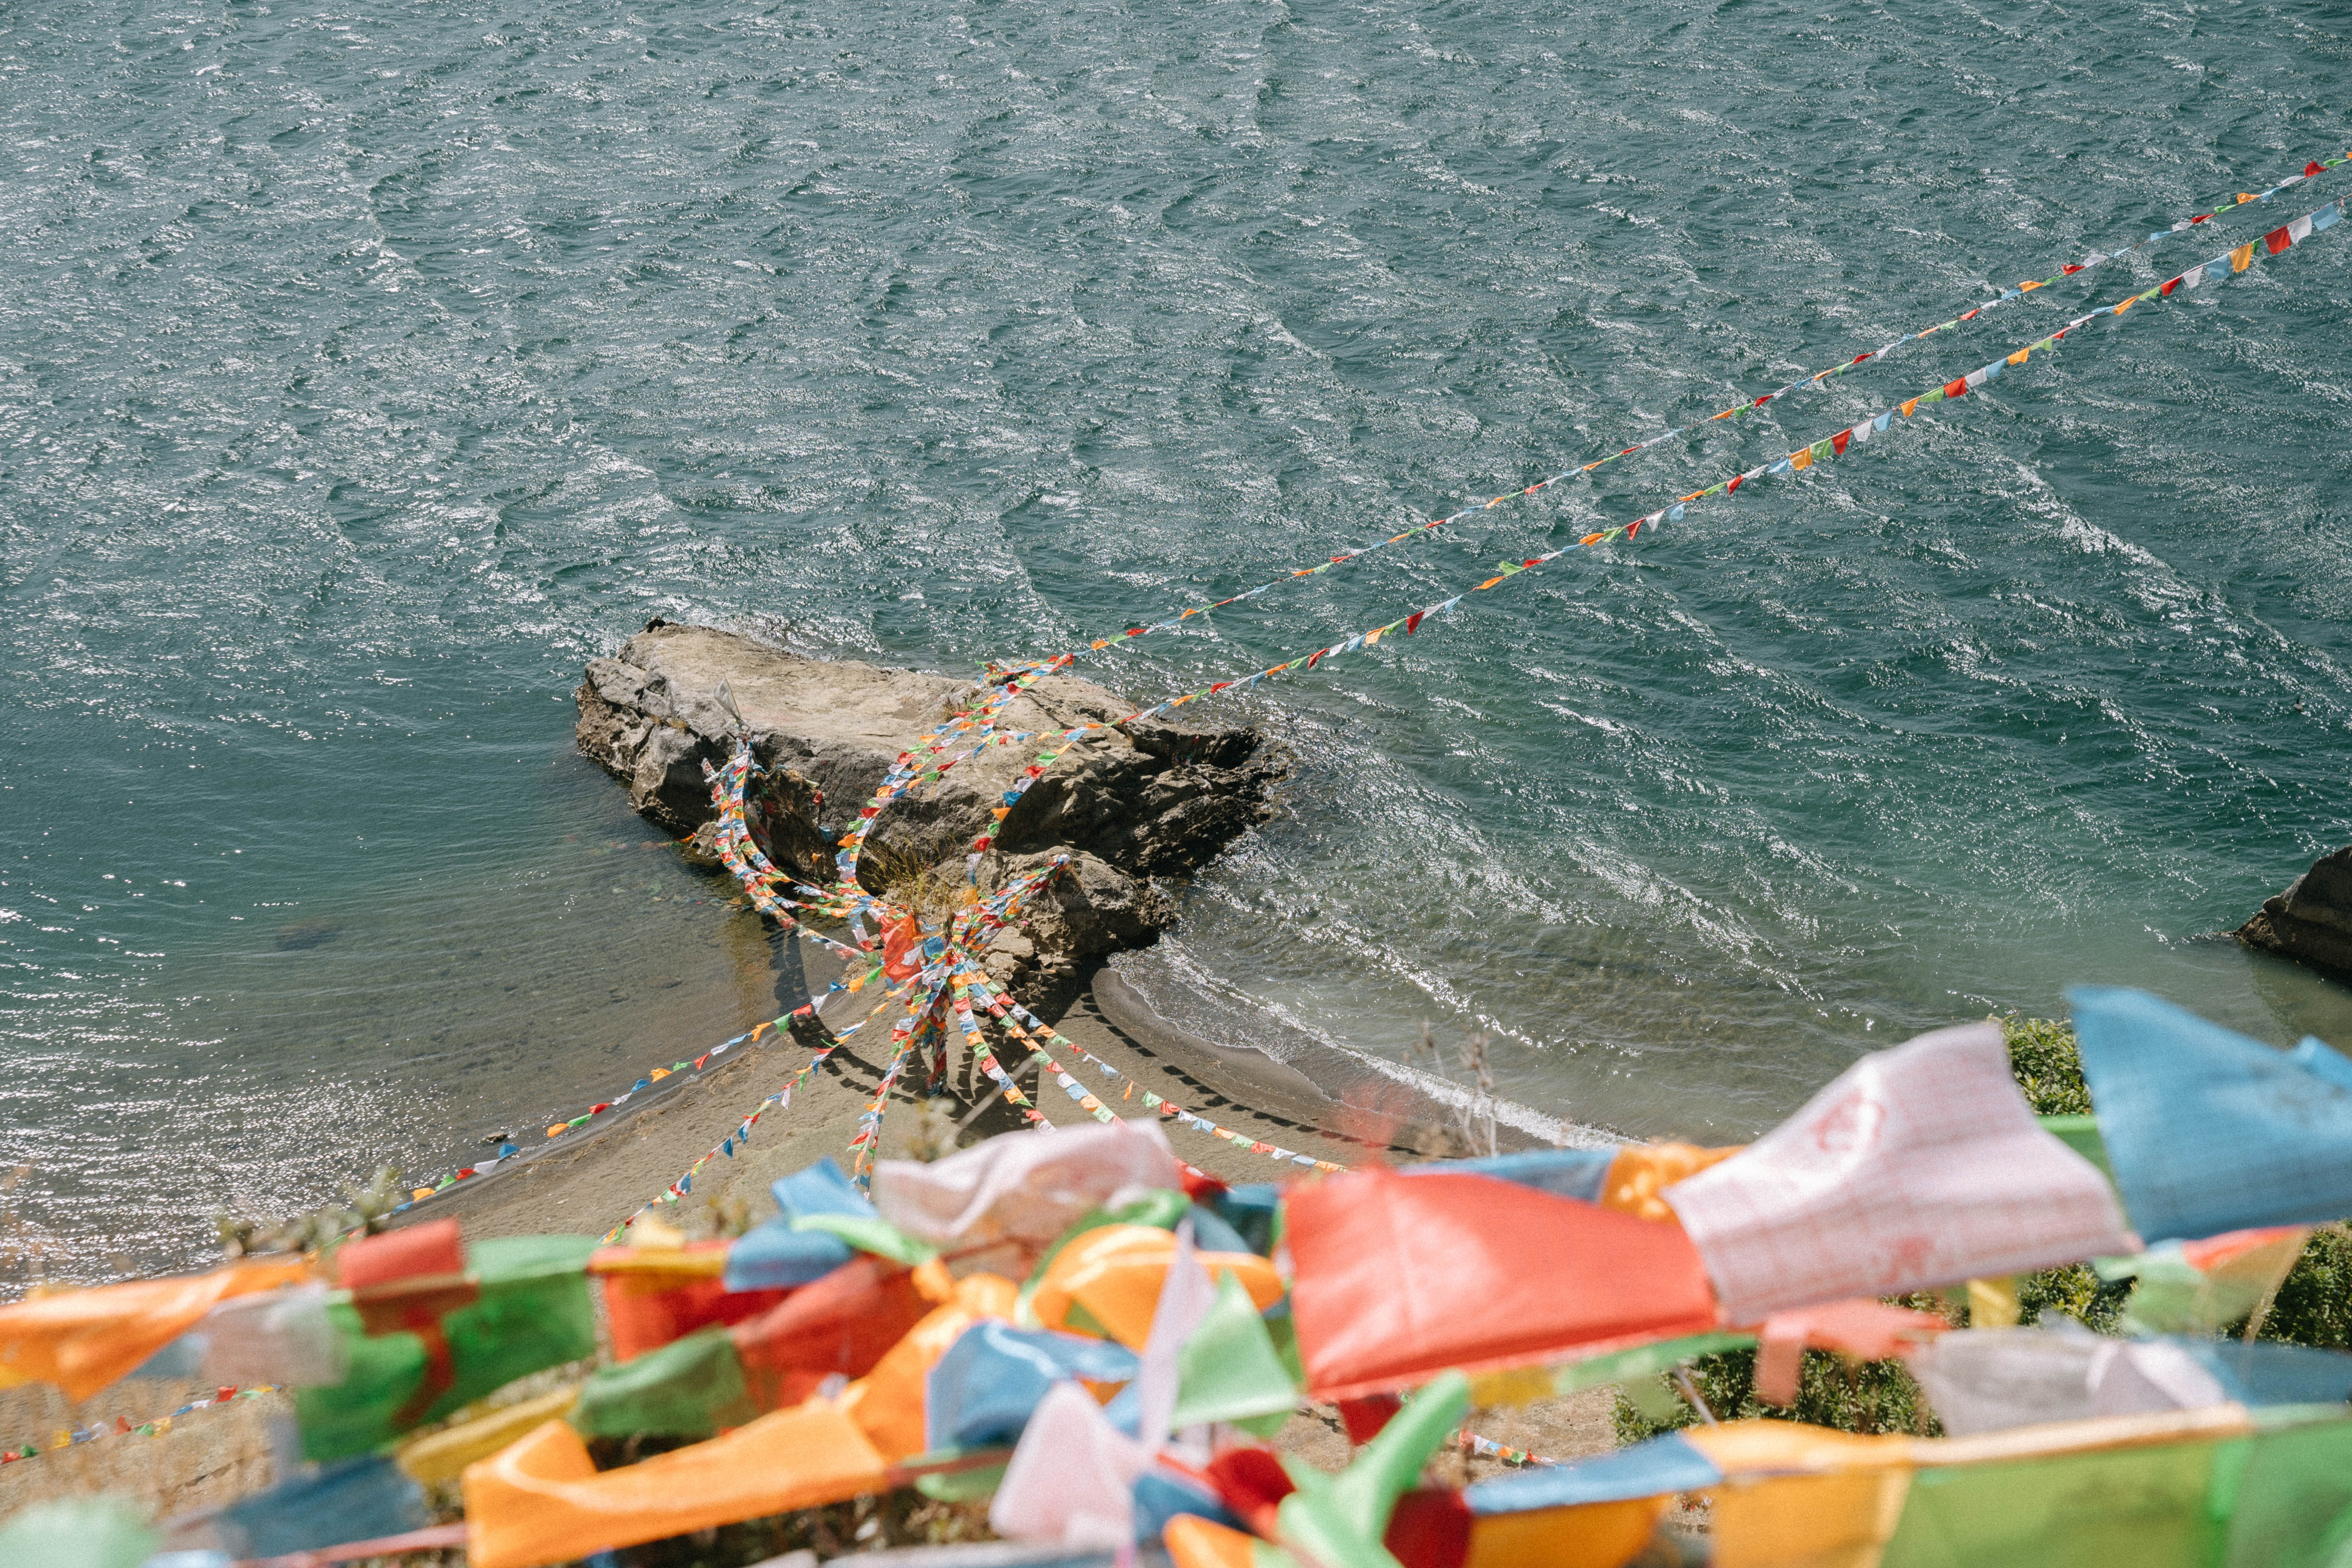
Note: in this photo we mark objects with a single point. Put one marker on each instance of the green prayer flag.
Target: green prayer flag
(529, 1311)
(1339, 1520)
(961, 1486)
(871, 1234)
(2080, 1133)
(2135, 1507)
(1228, 1370)
(689, 1387)
(1283, 1330)
(2287, 1493)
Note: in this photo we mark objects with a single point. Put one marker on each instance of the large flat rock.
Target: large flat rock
(1126, 805)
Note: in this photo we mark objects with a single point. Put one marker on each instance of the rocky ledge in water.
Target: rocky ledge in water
(1127, 805)
(2311, 923)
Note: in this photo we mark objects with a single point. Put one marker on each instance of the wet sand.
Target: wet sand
(592, 1180)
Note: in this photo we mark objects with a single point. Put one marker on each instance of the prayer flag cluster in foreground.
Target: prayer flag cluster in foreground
(1099, 1340)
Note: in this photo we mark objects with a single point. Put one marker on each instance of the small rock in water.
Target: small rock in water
(313, 932)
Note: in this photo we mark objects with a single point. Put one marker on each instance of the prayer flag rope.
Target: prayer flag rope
(1834, 445)
(1013, 1016)
(2095, 259)
(979, 919)
(782, 1099)
(1487, 1448)
(68, 1437)
(509, 1150)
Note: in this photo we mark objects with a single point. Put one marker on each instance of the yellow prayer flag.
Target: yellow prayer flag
(2241, 258)
(2019, 357)
(1993, 1304)
(1803, 459)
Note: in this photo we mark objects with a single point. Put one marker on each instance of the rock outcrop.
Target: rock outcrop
(1128, 804)
(2311, 923)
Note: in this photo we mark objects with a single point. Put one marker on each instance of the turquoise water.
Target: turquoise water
(362, 372)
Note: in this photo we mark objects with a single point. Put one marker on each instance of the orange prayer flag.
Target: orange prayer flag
(1582, 1535)
(1195, 1542)
(542, 1500)
(887, 1403)
(1115, 1273)
(81, 1340)
(1641, 1171)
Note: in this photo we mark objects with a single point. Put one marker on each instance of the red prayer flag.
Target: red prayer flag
(1412, 622)
(843, 1323)
(2312, 168)
(2068, 271)
(1363, 1418)
(1838, 442)
(2278, 239)
(1956, 388)
(644, 1312)
(417, 1250)
(1401, 1276)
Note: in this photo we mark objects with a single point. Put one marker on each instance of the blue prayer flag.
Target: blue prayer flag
(2208, 1131)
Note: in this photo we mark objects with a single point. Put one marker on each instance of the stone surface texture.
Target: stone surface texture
(2311, 923)
(1129, 804)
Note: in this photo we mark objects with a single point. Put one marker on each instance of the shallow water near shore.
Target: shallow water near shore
(363, 372)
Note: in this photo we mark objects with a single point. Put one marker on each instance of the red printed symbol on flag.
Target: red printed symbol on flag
(1851, 1126)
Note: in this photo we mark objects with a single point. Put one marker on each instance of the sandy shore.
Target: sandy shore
(591, 1181)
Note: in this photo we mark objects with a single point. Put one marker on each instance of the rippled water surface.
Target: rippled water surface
(363, 371)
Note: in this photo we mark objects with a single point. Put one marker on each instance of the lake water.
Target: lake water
(364, 371)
